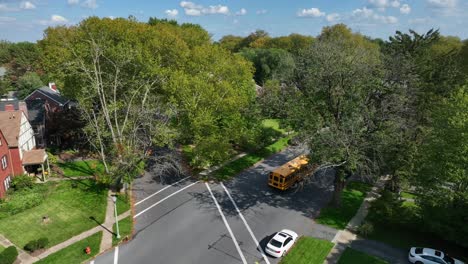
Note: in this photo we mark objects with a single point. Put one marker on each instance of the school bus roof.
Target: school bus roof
(291, 166)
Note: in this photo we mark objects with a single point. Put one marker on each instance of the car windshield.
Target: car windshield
(276, 243)
(418, 250)
(449, 259)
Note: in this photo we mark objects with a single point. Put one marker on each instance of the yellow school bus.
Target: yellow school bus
(288, 174)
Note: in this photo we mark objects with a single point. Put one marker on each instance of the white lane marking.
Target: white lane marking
(227, 225)
(247, 225)
(116, 255)
(165, 198)
(92, 262)
(161, 190)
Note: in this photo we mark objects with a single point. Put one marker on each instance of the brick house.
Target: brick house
(5, 166)
(19, 135)
(44, 104)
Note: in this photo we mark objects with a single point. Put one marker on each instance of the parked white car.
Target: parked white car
(419, 255)
(281, 243)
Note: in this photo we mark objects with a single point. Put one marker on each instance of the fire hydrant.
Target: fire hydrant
(88, 250)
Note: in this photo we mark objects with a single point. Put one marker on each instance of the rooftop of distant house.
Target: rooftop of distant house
(10, 122)
(52, 93)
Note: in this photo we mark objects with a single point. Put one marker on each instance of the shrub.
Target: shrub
(366, 229)
(9, 255)
(22, 182)
(34, 245)
(42, 242)
(21, 201)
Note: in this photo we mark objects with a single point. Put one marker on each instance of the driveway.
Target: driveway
(186, 221)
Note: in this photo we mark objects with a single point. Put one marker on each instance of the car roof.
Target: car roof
(281, 236)
(433, 252)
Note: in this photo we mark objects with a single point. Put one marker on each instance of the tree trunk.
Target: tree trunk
(339, 185)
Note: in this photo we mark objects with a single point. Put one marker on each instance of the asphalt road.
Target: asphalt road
(186, 223)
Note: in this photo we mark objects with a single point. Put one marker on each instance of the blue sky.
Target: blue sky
(26, 20)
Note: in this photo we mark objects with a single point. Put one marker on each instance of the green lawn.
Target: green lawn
(81, 168)
(351, 256)
(233, 168)
(352, 198)
(308, 250)
(274, 124)
(125, 228)
(408, 195)
(68, 209)
(75, 253)
(1, 248)
(123, 203)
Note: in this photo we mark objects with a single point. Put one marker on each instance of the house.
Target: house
(19, 136)
(44, 104)
(5, 166)
(53, 100)
(34, 111)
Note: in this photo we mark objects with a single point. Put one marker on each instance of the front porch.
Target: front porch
(36, 163)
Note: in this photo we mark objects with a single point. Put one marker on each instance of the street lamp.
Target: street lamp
(114, 199)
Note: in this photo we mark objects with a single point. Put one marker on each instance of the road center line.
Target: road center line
(227, 225)
(246, 225)
(161, 190)
(165, 198)
(116, 255)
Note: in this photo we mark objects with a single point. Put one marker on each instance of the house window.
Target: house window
(4, 162)
(7, 182)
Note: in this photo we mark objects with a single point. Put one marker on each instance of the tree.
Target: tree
(114, 69)
(338, 77)
(270, 64)
(441, 172)
(230, 42)
(27, 83)
(211, 93)
(140, 86)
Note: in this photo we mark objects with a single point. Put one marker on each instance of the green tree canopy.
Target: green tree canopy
(270, 64)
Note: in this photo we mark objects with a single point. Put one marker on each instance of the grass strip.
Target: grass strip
(352, 256)
(75, 253)
(308, 250)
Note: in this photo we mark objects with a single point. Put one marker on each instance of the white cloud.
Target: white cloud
(172, 13)
(73, 2)
(442, 3)
(312, 12)
(192, 9)
(58, 19)
(241, 12)
(333, 17)
(54, 20)
(363, 13)
(27, 5)
(91, 4)
(261, 12)
(381, 5)
(369, 14)
(405, 9)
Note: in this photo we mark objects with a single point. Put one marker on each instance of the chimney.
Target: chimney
(53, 87)
(9, 108)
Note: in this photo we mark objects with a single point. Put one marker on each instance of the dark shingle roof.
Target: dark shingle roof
(53, 95)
